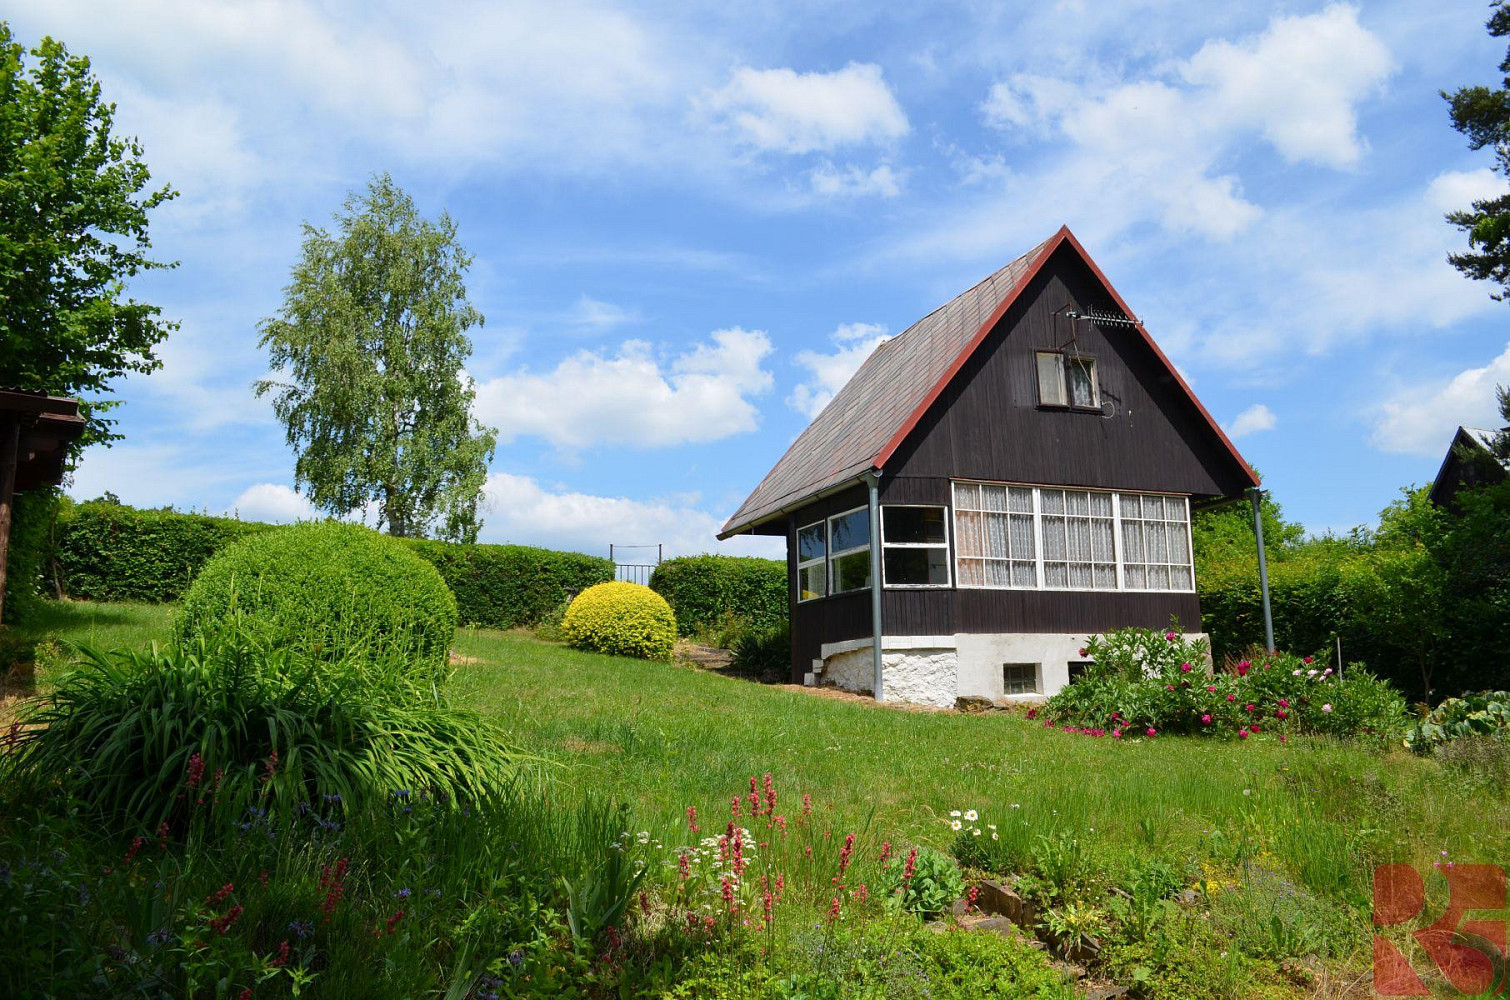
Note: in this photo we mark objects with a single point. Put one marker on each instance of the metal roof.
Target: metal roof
(869, 418)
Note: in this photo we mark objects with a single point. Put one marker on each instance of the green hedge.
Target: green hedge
(26, 568)
(110, 552)
(504, 586)
(701, 589)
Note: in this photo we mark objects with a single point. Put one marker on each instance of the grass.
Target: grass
(1312, 813)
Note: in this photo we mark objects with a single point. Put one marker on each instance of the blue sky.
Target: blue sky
(689, 225)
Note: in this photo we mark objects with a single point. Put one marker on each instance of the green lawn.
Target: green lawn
(1313, 814)
(663, 737)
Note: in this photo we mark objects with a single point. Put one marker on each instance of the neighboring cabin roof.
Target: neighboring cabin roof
(1448, 476)
(879, 406)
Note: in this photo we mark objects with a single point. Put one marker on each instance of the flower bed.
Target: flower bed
(1145, 684)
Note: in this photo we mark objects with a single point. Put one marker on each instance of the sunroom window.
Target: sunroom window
(812, 562)
(914, 546)
(849, 545)
(1047, 538)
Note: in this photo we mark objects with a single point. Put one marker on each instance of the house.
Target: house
(1469, 462)
(1018, 468)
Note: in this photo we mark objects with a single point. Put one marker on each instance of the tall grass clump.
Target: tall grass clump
(225, 727)
(328, 589)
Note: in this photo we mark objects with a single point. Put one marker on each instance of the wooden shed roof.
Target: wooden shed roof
(48, 425)
(870, 417)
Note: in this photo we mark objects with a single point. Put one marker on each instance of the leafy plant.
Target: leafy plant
(934, 886)
(1485, 713)
(621, 619)
(765, 655)
(223, 730)
(1074, 925)
(328, 589)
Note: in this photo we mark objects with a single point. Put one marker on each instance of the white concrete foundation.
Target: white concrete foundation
(938, 670)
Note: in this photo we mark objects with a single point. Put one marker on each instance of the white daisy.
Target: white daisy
(955, 824)
(970, 815)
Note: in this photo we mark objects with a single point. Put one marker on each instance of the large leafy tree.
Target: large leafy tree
(368, 353)
(74, 202)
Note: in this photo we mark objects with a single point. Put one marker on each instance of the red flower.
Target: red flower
(692, 820)
(910, 867)
(1185, 668)
(770, 794)
(1242, 734)
(195, 773)
(1152, 731)
(845, 855)
(734, 807)
(833, 910)
(885, 851)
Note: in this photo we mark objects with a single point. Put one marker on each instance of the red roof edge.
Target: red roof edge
(1054, 243)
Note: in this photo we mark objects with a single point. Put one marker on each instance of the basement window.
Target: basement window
(914, 546)
(1019, 678)
(1068, 381)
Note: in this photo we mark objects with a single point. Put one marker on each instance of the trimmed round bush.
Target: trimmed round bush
(329, 590)
(621, 619)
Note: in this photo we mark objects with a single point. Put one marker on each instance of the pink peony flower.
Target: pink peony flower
(1248, 708)
(1116, 734)
(1281, 714)
(1284, 703)
(1242, 734)
(1168, 687)
(1185, 667)
(1283, 738)
(1211, 688)
(1327, 709)
(1152, 731)
(1254, 728)
(1170, 636)
(1306, 660)
(1206, 720)
(1232, 697)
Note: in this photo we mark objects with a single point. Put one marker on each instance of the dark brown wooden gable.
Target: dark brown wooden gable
(987, 423)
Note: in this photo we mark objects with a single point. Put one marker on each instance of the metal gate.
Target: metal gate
(631, 562)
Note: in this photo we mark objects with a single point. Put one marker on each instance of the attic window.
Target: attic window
(1067, 380)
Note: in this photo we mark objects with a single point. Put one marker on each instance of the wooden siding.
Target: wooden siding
(826, 619)
(988, 425)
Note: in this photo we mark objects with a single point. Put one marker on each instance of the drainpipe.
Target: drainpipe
(877, 654)
(1257, 495)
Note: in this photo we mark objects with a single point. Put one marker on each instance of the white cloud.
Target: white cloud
(829, 372)
(272, 502)
(633, 398)
(781, 110)
(1298, 83)
(1160, 149)
(1255, 418)
(596, 316)
(1421, 421)
(855, 182)
(1455, 190)
(521, 510)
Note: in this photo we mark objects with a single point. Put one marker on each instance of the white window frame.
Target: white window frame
(1064, 360)
(803, 564)
(1118, 549)
(834, 556)
(1037, 536)
(1145, 562)
(946, 545)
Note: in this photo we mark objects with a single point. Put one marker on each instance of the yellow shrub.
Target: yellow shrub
(622, 619)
